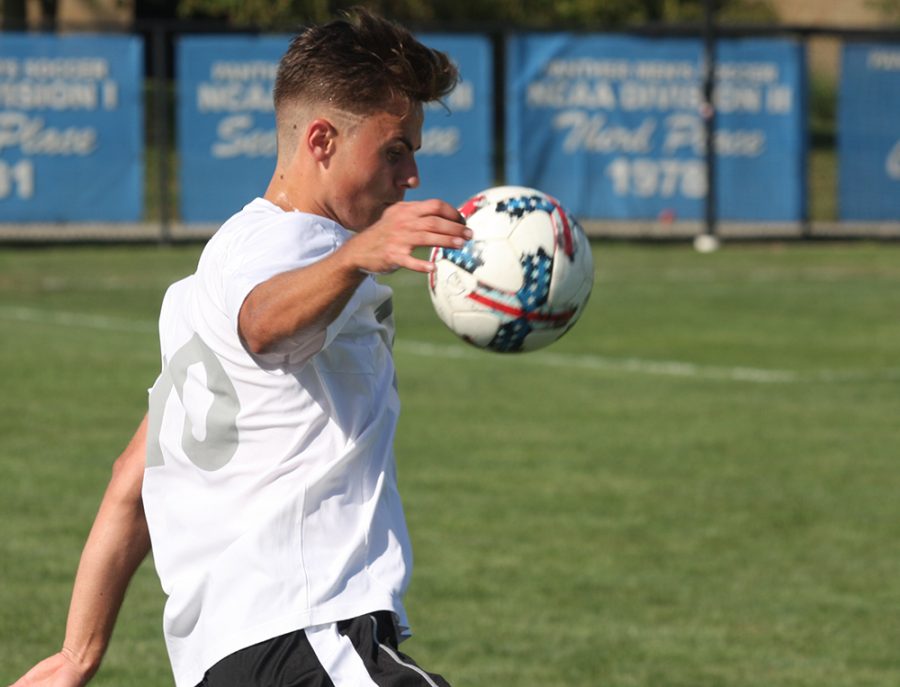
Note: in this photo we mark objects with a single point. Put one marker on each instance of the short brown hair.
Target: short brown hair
(361, 63)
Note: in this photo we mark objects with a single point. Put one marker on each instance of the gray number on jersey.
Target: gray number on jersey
(220, 438)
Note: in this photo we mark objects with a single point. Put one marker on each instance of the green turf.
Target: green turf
(697, 487)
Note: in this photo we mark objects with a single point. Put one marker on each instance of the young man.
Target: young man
(264, 472)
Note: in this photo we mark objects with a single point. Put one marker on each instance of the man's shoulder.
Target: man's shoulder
(261, 224)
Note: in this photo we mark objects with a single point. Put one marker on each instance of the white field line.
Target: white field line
(658, 368)
(664, 368)
(73, 319)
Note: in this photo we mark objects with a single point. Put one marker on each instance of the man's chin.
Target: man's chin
(376, 215)
(379, 212)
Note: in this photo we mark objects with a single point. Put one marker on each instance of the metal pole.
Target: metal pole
(14, 15)
(160, 128)
(708, 241)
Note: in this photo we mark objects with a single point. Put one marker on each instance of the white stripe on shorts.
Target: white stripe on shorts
(338, 657)
(399, 661)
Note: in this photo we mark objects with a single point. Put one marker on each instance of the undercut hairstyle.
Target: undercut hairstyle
(361, 63)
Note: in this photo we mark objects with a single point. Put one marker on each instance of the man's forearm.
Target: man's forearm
(115, 547)
(289, 302)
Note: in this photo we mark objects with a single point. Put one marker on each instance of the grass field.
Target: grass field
(697, 487)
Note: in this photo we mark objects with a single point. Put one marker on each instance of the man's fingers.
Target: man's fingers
(388, 245)
(448, 212)
(431, 208)
(440, 240)
(439, 226)
(417, 265)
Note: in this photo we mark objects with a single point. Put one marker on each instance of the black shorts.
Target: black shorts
(361, 652)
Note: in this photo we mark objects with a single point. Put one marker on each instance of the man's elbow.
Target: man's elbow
(127, 476)
(256, 339)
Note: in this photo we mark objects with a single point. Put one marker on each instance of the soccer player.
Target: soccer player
(263, 475)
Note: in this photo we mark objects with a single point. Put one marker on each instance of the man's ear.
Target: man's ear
(320, 139)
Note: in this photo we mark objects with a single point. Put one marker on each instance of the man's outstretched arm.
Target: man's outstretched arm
(115, 547)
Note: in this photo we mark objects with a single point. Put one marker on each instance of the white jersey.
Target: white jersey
(270, 487)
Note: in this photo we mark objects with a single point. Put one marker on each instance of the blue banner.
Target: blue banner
(226, 123)
(869, 133)
(71, 128)
(613, 126)
(456, 159)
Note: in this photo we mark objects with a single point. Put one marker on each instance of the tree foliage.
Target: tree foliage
(592, 14)
(889, 9)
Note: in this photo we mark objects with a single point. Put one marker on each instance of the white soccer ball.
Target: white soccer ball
(523, 278)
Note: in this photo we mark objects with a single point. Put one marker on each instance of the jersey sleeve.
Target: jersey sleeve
(278, 247)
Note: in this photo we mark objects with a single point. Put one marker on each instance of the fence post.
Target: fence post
(708, 241)
(160, 128)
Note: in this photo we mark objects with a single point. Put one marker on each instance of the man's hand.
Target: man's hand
(309, 298)
(387, 245)
(58, 670)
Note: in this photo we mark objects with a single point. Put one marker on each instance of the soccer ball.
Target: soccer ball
(523, 278)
